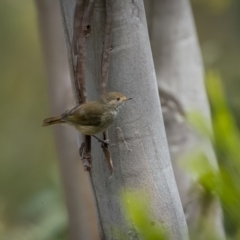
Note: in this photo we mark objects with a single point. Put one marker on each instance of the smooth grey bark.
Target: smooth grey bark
(138, 141)
(180, 73)
(78, 195)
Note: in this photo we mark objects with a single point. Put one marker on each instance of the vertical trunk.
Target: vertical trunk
(138, 142)
(180, 76)
(82, 218)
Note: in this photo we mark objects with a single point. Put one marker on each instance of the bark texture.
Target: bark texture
(138, 143)
(180, 77)
(78, 195)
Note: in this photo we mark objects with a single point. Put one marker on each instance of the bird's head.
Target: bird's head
(114, 99)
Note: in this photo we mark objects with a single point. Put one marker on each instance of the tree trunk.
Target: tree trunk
(82, 217)
(138, 142)
(180, 76)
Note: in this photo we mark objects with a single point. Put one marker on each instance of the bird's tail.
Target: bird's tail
(52, 120)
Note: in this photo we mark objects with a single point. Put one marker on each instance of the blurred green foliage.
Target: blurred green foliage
(136, 206)
(222, 181)
(31, 205)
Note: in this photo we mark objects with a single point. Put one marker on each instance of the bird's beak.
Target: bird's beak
(126, 99)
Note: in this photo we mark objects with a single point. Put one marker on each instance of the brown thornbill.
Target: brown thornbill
(91, 117)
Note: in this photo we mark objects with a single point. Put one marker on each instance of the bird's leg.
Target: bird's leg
(102, 141)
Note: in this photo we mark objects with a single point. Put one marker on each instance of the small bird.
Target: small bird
(93, 117)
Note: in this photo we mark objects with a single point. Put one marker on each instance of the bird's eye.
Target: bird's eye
(118, 99)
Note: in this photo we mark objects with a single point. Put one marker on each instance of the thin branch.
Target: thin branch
(107, 153)
(86, 156)
(107, 46)
(88, 18)
(81, 30)
(105, 71)
(81, 56)
(77, 26)
(85, 31)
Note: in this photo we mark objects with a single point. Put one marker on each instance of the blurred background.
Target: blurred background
(217, 23)
(31, 197)
(31, 194)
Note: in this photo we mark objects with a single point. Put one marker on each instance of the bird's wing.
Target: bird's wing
(87, 114)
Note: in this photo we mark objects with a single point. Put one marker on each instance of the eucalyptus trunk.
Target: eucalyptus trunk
(180, 77)
(137, 138)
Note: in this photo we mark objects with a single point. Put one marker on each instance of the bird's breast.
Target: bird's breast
(109, 117)
(114, 114)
